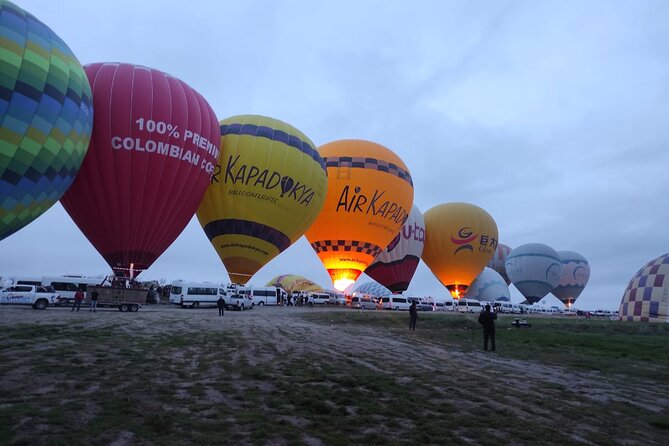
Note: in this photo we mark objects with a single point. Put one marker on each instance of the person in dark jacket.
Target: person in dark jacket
(413, 315)
(487, 319)
(220, 303)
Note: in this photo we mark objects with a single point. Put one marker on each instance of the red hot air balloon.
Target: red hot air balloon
(152, 153)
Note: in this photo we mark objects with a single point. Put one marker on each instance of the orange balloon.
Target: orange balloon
(369, 197)
(460, 239)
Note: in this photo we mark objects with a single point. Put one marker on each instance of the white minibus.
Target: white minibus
(266, 295)
(395, 303)
(195, 294)
(469, 306)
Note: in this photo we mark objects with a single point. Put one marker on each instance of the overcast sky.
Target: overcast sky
(552, 116)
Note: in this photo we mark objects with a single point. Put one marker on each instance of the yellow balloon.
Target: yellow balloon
(267, 189)
(460, 239)
(369, 197)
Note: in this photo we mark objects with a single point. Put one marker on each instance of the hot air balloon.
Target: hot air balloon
(574, 278)
(46, 118)
(370, 193)
(269, 186)
(152, 154)
(395, 266)
(534, 269)
(498, 259)
(645, 298)
(460, 239)
(489, 286)
(292, 282)
(373, 289)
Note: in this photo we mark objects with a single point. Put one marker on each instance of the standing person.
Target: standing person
(487, 319)
(78, 299)
(220, 303)
(413, 315)
(94, 300)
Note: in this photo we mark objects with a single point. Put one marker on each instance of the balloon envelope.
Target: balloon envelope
(369, 197)
(645, 298)
(371, 289)
(498, 260)
(395, 266)
(460, 239)
(291, 282)
(535, 269)
(46, 118)
(269, 187)
(152, 154)
(489, 286)
(574, 278)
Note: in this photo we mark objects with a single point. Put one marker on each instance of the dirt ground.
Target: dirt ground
(284, 331)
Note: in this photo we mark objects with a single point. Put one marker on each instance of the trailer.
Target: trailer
(125, 299)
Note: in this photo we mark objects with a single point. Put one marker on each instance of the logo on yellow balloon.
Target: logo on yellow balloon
(466, 239)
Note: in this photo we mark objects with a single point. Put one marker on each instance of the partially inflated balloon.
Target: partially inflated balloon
(646, 297)
(152, 154)
(574, 278)
(291, 283)
(534, 269)
(46, 118)
(489, 286)
(460, 239)
(395, 266)
(370, 193)
(498, 260)
(269, 186)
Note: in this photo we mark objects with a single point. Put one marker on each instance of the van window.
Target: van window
(202, 291)
(176, 289)
(385, 300)
(64, 286)
(400, 300)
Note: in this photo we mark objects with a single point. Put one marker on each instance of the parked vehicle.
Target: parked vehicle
(125, 299)
(320, 298)
(265, 295)
(195, 294)
(37, 296)
(364, 302)
(469, 306)
(66, 286)
(394, 303)
(241, 302)
(336, 297)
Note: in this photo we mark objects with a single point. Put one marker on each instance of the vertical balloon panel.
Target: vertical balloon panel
(395, 266)
(46, 118)
(152, 154)
(369, 197)
(269, 186)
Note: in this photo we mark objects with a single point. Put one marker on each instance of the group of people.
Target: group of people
(79, 297)
(486, 319)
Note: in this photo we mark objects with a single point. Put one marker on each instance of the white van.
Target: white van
(469, 306)
(266, 295)
(364, 302)
(319, 298)
(503, 306)
(195, 294)
(395, 303)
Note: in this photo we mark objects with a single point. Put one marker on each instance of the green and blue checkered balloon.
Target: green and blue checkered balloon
(46, 118)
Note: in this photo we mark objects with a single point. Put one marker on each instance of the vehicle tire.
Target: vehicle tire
(123, 307)
(41, 304)
(241, 308)
(261, 303)
(134, 308)
(195, 305)
(397, 308)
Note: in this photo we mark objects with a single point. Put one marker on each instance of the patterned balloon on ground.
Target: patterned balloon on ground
(395, 266)
(535, 269)
(153, 151)
(460, 239)
(46, 118)
(370, 193)
(646, 297)
(370, 289)
(498, 260)
(269, 187)
(489, 286)
(291, 282)
(574, 278)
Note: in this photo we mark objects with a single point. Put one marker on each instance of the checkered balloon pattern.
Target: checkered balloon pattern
(46, 118)
(646, 298)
